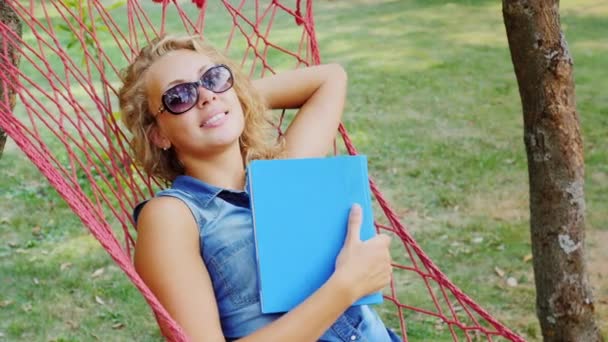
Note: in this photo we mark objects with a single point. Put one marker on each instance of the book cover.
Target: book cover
(300, 211)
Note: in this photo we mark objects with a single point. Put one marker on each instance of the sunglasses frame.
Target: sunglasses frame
(196, 84)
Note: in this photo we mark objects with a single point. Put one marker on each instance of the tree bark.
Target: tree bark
(544, 70)
(9, 18)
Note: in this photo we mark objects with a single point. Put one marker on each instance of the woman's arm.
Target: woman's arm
(319, 93)
(168, 260)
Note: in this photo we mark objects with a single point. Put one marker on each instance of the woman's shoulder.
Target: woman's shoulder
(161, 208)
(165, 202)
(170, 205)
(167, 218)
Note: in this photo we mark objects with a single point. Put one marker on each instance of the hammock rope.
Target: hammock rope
(66, 123)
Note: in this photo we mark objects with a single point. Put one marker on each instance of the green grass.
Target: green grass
(434, 104)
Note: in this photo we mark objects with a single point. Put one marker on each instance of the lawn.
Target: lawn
(434, 104)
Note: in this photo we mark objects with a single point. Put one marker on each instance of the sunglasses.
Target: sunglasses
(182, 97)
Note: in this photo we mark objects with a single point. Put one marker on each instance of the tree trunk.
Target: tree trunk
(9, 18)
(543, 67)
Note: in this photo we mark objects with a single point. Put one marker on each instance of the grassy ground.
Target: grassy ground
(434, 104)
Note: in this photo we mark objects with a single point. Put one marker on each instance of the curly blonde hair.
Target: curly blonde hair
(255, 142)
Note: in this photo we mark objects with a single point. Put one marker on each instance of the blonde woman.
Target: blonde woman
(196, 122)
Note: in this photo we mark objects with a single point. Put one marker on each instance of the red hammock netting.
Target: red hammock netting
(65, 121)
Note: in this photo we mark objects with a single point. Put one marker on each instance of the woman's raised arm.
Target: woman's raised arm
(319, 93)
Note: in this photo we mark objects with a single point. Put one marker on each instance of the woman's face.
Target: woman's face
(214, 123)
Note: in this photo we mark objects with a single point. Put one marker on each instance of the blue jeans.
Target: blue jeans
(359, 324)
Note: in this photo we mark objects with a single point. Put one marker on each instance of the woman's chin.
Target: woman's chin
(223, 141)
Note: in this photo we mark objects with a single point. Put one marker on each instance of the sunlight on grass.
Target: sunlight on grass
(75, 248)
(507, 205)
(359, 137)
(482, 38)
(591, 47)
(593, 8)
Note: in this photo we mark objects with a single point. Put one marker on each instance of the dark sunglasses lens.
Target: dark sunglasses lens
(180, 98)
(218, 79)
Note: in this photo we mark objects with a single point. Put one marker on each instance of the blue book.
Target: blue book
(300, 212)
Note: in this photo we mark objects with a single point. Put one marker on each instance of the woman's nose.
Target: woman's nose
(205, 96)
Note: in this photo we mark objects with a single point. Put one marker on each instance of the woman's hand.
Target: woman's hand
(363, 266)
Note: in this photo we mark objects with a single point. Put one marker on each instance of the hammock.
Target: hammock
(65, 121)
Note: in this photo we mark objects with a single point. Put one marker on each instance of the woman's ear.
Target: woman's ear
(158, 138)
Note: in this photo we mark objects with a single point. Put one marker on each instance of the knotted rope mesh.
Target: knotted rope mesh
(67, 123)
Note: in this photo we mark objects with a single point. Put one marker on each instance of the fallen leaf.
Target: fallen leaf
(527, 257)
(27, 307)
(12, 244)
(511, 281)
(1, 334)
(477, 239)
(73, 325)
(36, 281)
(118, 325)
(99, 300)
(5, 303)
(65, 266)
(97, 272)
(36, 231)
(499, 271)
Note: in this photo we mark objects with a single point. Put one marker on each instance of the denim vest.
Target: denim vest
(227, 249)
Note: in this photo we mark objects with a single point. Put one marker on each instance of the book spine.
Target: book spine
(255, 239)
(366, 190)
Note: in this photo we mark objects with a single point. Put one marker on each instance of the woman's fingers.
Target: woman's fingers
(353, 233)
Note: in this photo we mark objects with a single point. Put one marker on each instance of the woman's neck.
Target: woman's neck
(224, 170)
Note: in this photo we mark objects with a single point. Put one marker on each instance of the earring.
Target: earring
(165, 148)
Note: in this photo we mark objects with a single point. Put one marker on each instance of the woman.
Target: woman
(196, 122)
